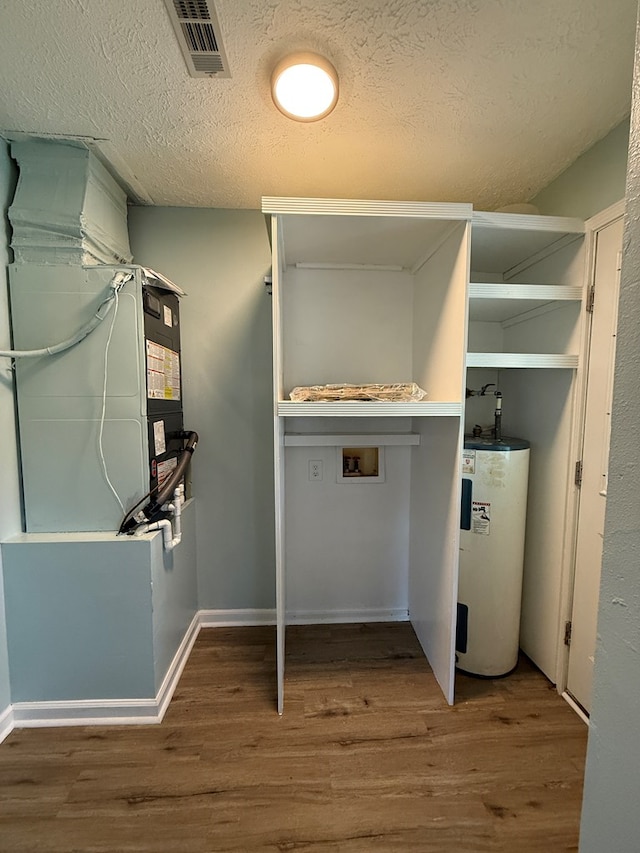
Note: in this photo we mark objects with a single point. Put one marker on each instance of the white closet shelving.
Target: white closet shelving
(369, 292)
(526, 335)
(353, 274)
(384, 292)
(361, 439)
(426, 408)
(510, 286)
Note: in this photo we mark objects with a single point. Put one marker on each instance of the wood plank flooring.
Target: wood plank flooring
(367, 757)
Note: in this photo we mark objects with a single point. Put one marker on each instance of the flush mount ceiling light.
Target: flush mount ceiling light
(304, 86)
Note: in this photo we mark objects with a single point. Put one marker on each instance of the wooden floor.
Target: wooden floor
(367, 757)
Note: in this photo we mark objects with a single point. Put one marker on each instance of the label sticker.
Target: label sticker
(481, 517)
(168, 316)
(163, 373)
(165, 468)
(159, 442)
(468, 462)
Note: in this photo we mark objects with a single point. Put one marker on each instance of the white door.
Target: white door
(595, 461)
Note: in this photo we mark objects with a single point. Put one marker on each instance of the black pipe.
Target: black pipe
(153, 510)
(497, 418)
(169, 486)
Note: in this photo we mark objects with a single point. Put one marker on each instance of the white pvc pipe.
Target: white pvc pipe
(171, 533)
(167, 533)
(177, 513)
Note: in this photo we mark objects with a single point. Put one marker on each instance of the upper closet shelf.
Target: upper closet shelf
(505, 242)
(521, 359)
(364, 207)
(500, 302)
(351, 234)
(368, 410)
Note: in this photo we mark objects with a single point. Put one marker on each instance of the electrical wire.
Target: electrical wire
(135, 507)
(114, 314)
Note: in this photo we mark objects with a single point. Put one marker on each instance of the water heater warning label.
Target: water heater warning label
(481, 517)
(163, 373)
(468, 461)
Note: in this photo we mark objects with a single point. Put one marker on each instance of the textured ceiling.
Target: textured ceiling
(482, 101)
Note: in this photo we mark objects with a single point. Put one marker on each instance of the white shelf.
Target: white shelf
(543, 292)
(357, 242)
(364, 207)
(514, 222)
(502, 241)
(500, 302)
(361, 439)
(521, 359)
(368, 410)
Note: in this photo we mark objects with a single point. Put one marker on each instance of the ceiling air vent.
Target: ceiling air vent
(196, 25)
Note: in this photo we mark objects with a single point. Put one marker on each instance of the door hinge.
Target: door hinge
(591, 298)
(567, 633)
(578, 475)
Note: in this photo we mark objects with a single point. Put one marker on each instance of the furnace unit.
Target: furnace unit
(101, 423)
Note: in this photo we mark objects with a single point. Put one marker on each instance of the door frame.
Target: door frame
(593, 226)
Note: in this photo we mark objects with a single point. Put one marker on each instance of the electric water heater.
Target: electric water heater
(493, 519)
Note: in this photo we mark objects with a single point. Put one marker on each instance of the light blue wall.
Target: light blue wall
(594, 182)
(220, 257)
(10, 518)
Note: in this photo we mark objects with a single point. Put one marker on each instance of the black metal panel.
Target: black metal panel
(462, 628)
(465, 504)
(160, 305)
(162, 327)
(172, 429)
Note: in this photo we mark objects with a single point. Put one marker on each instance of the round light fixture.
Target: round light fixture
(304, 86)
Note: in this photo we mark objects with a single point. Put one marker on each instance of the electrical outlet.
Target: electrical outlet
(315, 469)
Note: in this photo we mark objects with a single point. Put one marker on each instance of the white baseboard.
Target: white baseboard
(337, 617)
(171, 679)
(7, 723)
(236, 618)
(85, 712)
(116, 712)
(248, 618)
